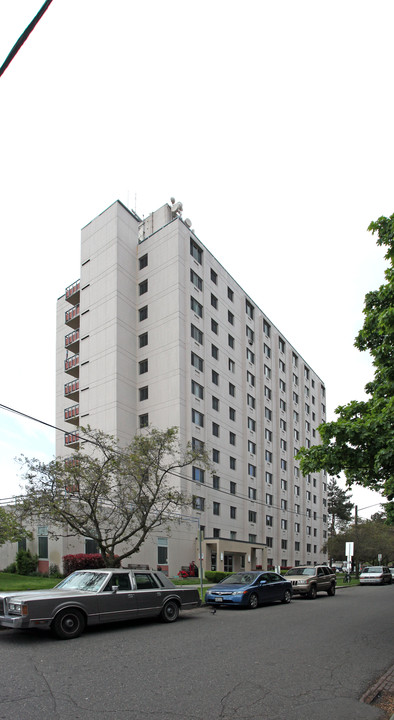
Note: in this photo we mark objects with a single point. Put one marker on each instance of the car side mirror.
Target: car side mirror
(114, 588)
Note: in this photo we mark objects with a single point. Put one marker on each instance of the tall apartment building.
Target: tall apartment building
(157, 332)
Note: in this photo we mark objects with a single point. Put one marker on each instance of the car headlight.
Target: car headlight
(303, 582)
(238, 592)
(17, 608)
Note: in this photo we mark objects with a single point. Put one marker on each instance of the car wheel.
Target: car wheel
(253, 601)
(170, 611)
(286, 597)
(68, 624)
(331, 591)
(312, 592)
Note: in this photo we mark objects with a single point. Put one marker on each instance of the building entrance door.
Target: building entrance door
(228, 563)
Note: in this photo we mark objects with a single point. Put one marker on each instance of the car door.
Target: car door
(263, 586)
(119, 605)
(150, 596)
(277, 586)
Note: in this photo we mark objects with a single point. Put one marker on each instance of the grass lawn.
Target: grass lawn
(10, 582)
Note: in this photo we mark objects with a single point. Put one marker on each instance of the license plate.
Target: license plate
(218, 599)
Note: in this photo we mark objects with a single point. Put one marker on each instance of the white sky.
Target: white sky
(271, 121)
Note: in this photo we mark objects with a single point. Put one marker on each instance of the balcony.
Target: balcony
(71, 414)
(72, 292)
(71, 390)
(71, 440)
(71, 365)
(71, 317)
(71, 341)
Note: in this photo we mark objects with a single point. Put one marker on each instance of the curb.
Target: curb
(384, 684)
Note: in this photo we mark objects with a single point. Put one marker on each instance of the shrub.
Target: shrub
(11, 568)
(26, 563)
(215, 576)
(82, 561)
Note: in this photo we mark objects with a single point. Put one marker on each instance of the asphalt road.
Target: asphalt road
(309, 659)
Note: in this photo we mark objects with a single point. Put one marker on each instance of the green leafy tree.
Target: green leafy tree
(114, 495)
(339, 506)
(360, 442)
(11, 529)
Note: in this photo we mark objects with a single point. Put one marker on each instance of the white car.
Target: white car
(375, 575)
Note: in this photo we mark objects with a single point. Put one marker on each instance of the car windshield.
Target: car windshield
(301, 571)
(238, 579)
(373, 570)
(88, 581)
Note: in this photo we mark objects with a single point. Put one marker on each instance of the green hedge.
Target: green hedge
(216, 576)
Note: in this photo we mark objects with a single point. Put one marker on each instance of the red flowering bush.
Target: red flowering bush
(83, 561)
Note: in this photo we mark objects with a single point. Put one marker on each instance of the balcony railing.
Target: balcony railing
(71, 317)
(71, 390)
(71, 365)
(72, 339)
(71, 414)
(72, 292)
(72, 440)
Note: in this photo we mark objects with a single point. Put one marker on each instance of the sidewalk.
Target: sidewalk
(381, 694)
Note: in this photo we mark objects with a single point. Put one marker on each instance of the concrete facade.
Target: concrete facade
(157, 331)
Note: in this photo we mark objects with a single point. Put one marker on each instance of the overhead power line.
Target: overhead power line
(24, 36)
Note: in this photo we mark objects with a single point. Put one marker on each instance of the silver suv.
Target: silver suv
(308, 580)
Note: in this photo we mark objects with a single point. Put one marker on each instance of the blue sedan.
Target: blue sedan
(249, 589)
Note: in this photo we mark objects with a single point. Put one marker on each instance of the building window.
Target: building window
(230, 294)
(268, 478)
(231, 341)
(198, 503)
(282, 366)
(231, 365)
(197, 390)
(283, 504)
(144, 420)
(216, 482)
(295, 360)
(196, 334)
(249, 309)
(283, 524)
(215, 352)
(231, 413)
(268, 435)
(283, 444)
(267, 392)
(252, 492)
(267, 350)
(143, 261)
(284, 544)
(250, 378)
(251, 470)
(215, 403)
(215, 377)
(283, 485)
(42, 535)
(251, 447)
(214, 277)
(214, 301)
(269, 521)
(306, 373)
(197, 362)
(197, 418)
(297, 527)
(233, 512)
(250, 355)
(282, 405)
(216, 508)
(143, 287)
(252, 516)
(282, 385)
(195, 251)
(233, 488)
(216, 532)
(233, 535)
(283, 464)
(196, 280)
(196, 306)
(143, 366)
(251, 424)
(268, 456)
(214, 326)
(282, 345)
(233, 463)
(268, 499)
(91, 546)
(198, 474)
(143, 392)
(215, 455)
(269, 541)
(232, 438)
(266, 328)
(252, 539)
(231, 389)
(143, 339)
(230, 317)
(215, 429)
(297, 546)
(197, 444)
(268, 413)
(143, 313)
(267, 372)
